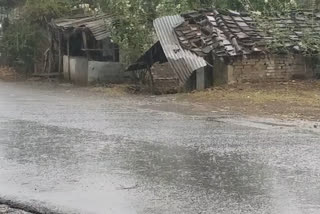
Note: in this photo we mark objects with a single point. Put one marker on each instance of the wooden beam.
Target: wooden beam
(50, 53)
(46, 74)
(92, 49)
(60, 54)
(85, 43)
(151, 80)
(68, 50)
(113, 52)
(45, 60)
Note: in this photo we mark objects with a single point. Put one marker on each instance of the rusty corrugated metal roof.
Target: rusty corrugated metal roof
(98, 25)
(182, 61)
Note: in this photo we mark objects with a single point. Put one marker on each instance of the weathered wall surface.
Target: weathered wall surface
(273, 68)
(78, 70)
(65, 68)
(164, 79)
(106, 72)
(220, 73)
(84, 72)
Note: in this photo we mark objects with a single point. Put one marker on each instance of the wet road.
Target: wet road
(82, 153)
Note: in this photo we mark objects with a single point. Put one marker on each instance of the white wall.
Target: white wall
(84, 72)
(78, 70)
(105, 72)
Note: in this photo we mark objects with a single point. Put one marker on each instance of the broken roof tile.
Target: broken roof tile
(211, 18)
(227, 31)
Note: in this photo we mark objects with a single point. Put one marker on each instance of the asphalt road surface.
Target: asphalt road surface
(72, 151)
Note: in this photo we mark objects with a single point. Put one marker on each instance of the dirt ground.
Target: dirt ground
(4, 209)
(288, 100)
(9, 74)
(285, 100)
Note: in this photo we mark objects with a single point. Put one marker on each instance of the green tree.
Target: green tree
(42, 11)
(20, 42)
(11, 3)
(133, 29)
(25, 38)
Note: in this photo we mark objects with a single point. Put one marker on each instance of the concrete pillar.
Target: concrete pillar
(230, 73)
(201, 79)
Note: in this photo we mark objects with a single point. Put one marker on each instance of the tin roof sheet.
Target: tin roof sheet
(182, 61)
(98, 24)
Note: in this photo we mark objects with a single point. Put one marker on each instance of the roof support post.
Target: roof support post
(68, 51)
(151, 79)
(201, 79)
(85, 44)
(60, 54)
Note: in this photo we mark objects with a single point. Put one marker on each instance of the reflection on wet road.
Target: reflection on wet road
(86, 154)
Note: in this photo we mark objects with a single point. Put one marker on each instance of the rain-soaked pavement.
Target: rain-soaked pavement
(82, 153)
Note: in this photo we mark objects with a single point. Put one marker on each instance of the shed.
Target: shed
(224, 46)
(84, 50)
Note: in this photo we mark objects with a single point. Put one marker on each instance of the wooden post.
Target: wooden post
(113, 52)
(45, 61)
(85, 43)
(151, 80)
(50, 53)
(60, 57)
(50, 56)
(68, 50)
(200, 79)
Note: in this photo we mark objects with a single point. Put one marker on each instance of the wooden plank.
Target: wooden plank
(47, 74)
(91, 49)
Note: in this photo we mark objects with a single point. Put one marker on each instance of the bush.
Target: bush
(20, 42)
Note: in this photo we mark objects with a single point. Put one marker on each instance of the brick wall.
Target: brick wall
(272, 68)
(165, 81)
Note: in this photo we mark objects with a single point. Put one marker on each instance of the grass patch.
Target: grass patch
(294, 98)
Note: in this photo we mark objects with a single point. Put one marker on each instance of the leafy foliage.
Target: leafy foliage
(23, 38)
(42, 11)
(10, 3)
(133, 29)
(309, 43)
(21, 41)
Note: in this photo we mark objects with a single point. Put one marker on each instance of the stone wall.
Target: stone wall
(220, 72)
(262, 68)
(165, 80)
(107, 72)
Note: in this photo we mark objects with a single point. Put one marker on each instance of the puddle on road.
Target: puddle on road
(177, 177)
(189, 167)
